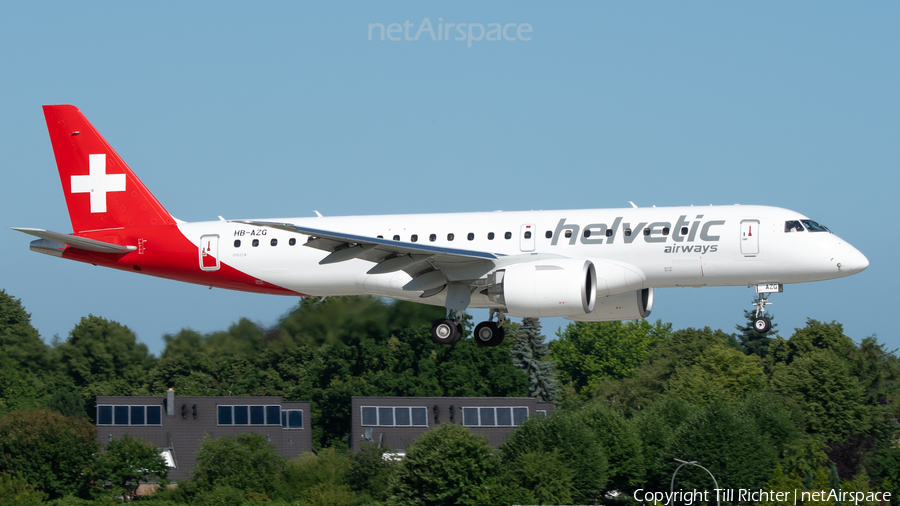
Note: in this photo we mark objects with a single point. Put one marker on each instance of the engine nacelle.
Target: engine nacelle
(625, 306)
(558, 287)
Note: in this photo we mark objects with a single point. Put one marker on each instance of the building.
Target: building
(177, 425)
(397, 421)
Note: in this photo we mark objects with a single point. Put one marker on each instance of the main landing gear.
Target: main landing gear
(762, 324)
(449, 331)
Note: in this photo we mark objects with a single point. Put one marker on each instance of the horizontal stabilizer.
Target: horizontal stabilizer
(73, 241)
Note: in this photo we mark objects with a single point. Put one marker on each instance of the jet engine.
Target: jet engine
(624, 306)
(559, 287)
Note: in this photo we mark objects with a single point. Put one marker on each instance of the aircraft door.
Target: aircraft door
(750, 237)
(526, 238)
(209, 252)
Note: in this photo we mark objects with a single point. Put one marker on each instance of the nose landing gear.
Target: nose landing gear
(762, 324)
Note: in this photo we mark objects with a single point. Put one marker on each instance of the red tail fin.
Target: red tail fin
(101, 191)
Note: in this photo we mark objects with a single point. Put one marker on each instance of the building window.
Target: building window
(394, 416)
(291, 418)
(248, 415)
(129, 415)
(494, 416)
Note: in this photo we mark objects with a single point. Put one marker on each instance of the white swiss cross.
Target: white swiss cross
(98, 182)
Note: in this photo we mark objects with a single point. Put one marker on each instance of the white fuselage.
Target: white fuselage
(667, 247)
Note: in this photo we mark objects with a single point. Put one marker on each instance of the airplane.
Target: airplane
(585, 265)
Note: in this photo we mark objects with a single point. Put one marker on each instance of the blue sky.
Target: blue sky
(266, 109)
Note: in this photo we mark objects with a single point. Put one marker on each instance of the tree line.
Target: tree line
(816, 410)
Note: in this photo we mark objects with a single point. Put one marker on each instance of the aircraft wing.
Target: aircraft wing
(430, 266)
(74, 241)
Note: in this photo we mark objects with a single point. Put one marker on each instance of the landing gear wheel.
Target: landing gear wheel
(488, 334)
(445, 332)
(762, 325)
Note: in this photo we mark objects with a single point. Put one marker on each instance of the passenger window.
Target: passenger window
(414, 238)
(684, 231)
(255, 242)
(432, 237)
(274, 242)
(814, 227)
(665, 230)
(587, 233)
(646, 231)
(490, 236)
(237, 243)
(380, 236)
(609, 232)
(396, 237)
(292, 242)
(793, 226)
(627, 232)
(548, 234)
(449, 237)
(508, 235)
(528, 234)
(471, 236)
(568, 234)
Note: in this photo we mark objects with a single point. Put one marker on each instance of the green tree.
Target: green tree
(587, 353)
(15, 491)
(370, 472)
(128, 462)
(579, 448)
(447, 466)
(103, 357)
(66, 402)
(47, 450)
(656, 426)
(682, 349)
(820, 383)
(542, 477)
(720, 374)
(245, 462)
(529, 355)
(313, 478)
(19, 340)
(621, 443)
(814, 336)
(722, 439)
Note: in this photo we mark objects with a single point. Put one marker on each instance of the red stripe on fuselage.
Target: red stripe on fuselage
(163, 251)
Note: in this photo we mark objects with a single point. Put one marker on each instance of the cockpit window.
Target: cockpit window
(814, 227)
(793, 226)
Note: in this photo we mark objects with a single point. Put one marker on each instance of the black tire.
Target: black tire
(762, 325)
(444, 332)
(488, 334)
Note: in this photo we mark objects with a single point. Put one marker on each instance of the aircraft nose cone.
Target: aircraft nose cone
(854, 262)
